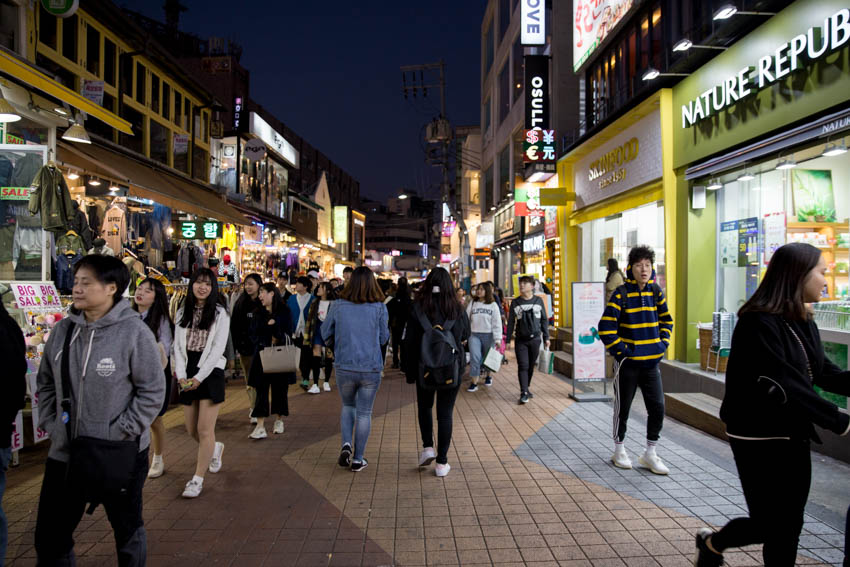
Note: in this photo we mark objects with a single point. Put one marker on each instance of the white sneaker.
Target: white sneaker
(651, 461)
(442, 470)
(621, 458)
(278, 426)
(314, 389)
(326, 387)
(427, 456)
(259, 433)
(215, 462)
(193, 489)
(157, 468)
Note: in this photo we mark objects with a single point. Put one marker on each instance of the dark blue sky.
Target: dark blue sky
(330, 70)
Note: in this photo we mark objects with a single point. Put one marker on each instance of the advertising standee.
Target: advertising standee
(588, 302)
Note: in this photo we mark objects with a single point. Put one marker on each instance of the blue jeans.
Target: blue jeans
(358, 391)
(479, 346)
(5, 457)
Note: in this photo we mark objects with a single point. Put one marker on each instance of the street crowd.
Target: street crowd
(111, 369)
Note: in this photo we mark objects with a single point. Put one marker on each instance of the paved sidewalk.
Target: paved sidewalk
(529, 485)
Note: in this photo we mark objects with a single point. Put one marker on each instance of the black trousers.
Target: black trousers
(776, 502)
(527, 352)
(306, 357)
(396, 339)
(445, 410)
(60, 510)
(626, 383)
(279, 385)
(318, 363)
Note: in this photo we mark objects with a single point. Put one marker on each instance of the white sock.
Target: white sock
(198, 479)
(619, 446)
(650, 447)
(157, 459)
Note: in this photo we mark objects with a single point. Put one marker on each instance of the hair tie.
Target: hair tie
(435, 289)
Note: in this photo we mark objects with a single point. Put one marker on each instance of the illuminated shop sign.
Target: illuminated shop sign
(533, 22)
(201, 230)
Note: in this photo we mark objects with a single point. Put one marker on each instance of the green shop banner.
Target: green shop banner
(795, 65)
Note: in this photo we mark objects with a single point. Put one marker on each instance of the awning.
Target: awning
(260, 216)
(21, 70)
(150, 182)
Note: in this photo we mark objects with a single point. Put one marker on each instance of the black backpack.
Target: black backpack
(441, 358)
(526, 326)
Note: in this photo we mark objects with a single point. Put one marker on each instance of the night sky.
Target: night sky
(330, 71)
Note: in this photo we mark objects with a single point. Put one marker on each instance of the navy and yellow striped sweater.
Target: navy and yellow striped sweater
(637, 324)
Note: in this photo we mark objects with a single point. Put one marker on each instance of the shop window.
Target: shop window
(126, 71)
(47, 24)
(504, 92)
(95, 126)
(487, 112)
(657, 39)
(155, 92)
(200, 163)
(166, 101)
(93, 50)
(159, 142)
(504, 17)
(187, 113)
(644, 43)
(519, 68)
(181, 159)
(62, 74)
(488, 189)
(519, 164)
(504, 172)
(205, 131)
(70, 37)
(141, 83)
(632, 72)
(20, 258)
(10, 26)
(488, 49)
(178, 108)
(109, 51)
(137, 120)
(24, 131)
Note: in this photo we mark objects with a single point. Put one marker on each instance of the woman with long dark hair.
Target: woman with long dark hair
(614, 279)
(485, 321)
(151, 301)
(399, 311)
(200, 339)
(357, 326)
(246, 306)
(270, 326)
(771, 407)
(322, 355)
(438, 303)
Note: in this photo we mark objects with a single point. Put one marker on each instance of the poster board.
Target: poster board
(36, 296)
(588, 304)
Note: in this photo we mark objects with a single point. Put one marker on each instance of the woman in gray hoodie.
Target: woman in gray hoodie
(115, 395)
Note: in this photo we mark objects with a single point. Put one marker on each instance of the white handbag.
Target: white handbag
(493, 360)
(280, 358)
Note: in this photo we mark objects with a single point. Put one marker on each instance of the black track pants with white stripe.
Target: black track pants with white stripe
(626, 382)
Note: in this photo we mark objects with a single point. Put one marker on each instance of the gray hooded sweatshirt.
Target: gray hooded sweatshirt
(117, 385)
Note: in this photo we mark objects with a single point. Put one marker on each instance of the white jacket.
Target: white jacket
(485, 318)
(213, 355)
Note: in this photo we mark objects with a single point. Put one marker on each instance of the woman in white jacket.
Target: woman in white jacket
(200, 338)
(485, 318)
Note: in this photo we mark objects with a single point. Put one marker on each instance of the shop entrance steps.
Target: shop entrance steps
(701, 411)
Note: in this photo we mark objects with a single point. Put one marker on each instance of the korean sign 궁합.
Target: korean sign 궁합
(199, 230)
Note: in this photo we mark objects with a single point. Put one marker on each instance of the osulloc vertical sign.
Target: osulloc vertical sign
(536, 91)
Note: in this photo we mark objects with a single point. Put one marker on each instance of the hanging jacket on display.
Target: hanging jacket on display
(95, 219)
(50, 197)
(70, 243)
(25, 170)
(27, 242)
(65, 272)
(80, 225)
(115, 227)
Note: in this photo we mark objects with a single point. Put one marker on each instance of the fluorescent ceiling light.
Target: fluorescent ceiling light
(651, 73)
(725, 12)
(683, 45)
(73, 175)
(834, 150)
(714, 185)
(786, 164)
(114, 187)
(94, 181)
(61, 111)
(746, 176)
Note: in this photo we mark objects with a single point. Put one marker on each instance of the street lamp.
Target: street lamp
(652, 73)
(728, 10)
(685, 44)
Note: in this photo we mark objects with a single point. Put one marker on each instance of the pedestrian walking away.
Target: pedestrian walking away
(321, 356)
(246, 306)
(200, 338)
(13, 388)
(636, 327)
(151, 301)
(485, 320)
(771, 407)
(527, 315)
(434, 361)
(104, 345)
(399, 311)
(299, 308)
(272, 325)
(356, 327)
(614, 279)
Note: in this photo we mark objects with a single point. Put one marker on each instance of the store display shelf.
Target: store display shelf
(809, 225)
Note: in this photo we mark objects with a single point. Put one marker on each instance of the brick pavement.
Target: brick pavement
(530, 485)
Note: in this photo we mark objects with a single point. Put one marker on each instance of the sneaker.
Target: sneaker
(314, 389)
(357, 466)
(305, 384)
(259, 433)
(523, 399)
(278, 426)
(442, 470)
(427, 456)
(253, 421)
(193, 489)
(621, 458)
(157, 468)
(326, 387)
(488, 381)
(651, 461)
(530, 395)
(704, 556)
(345, 456)
(215, 462)
(473, 387)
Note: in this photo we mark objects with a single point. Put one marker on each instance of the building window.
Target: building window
(181, 158)
(70, 28)
(519, 164)
(488, 189)
(141, 85)
(187, 113)
(108, 62)
(644, 43)
(504, 172)
(159, 142)
(178, 108)
(47, 24)
(488, 50)
(10, 26)
(519, 68)
(137, 121)
(657, 40)
(155, 93)
(166, 101)
(504, 92)
(126, 70)
(487, 111)
(93, 51)
(504, 17)
(102, 129)
(200, 164)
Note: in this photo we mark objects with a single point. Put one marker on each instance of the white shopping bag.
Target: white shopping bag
(493, 360)
(546, 362)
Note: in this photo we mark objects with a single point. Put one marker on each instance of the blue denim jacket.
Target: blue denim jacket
(358, 331)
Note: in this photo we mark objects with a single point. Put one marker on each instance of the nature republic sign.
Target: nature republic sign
(793, 66)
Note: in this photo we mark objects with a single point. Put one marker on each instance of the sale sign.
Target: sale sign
(15, 193)
(38, 434)
(18, 432)
(36, 295)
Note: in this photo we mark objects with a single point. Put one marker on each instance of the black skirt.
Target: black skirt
(168, 380)
(212, 388)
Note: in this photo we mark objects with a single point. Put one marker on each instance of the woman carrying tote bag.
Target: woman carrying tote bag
(272, 325)
(485, 319)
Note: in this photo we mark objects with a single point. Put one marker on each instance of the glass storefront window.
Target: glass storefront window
(21, 237)
(614, 236)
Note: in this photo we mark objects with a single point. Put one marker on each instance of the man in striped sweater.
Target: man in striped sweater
(636, 328)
